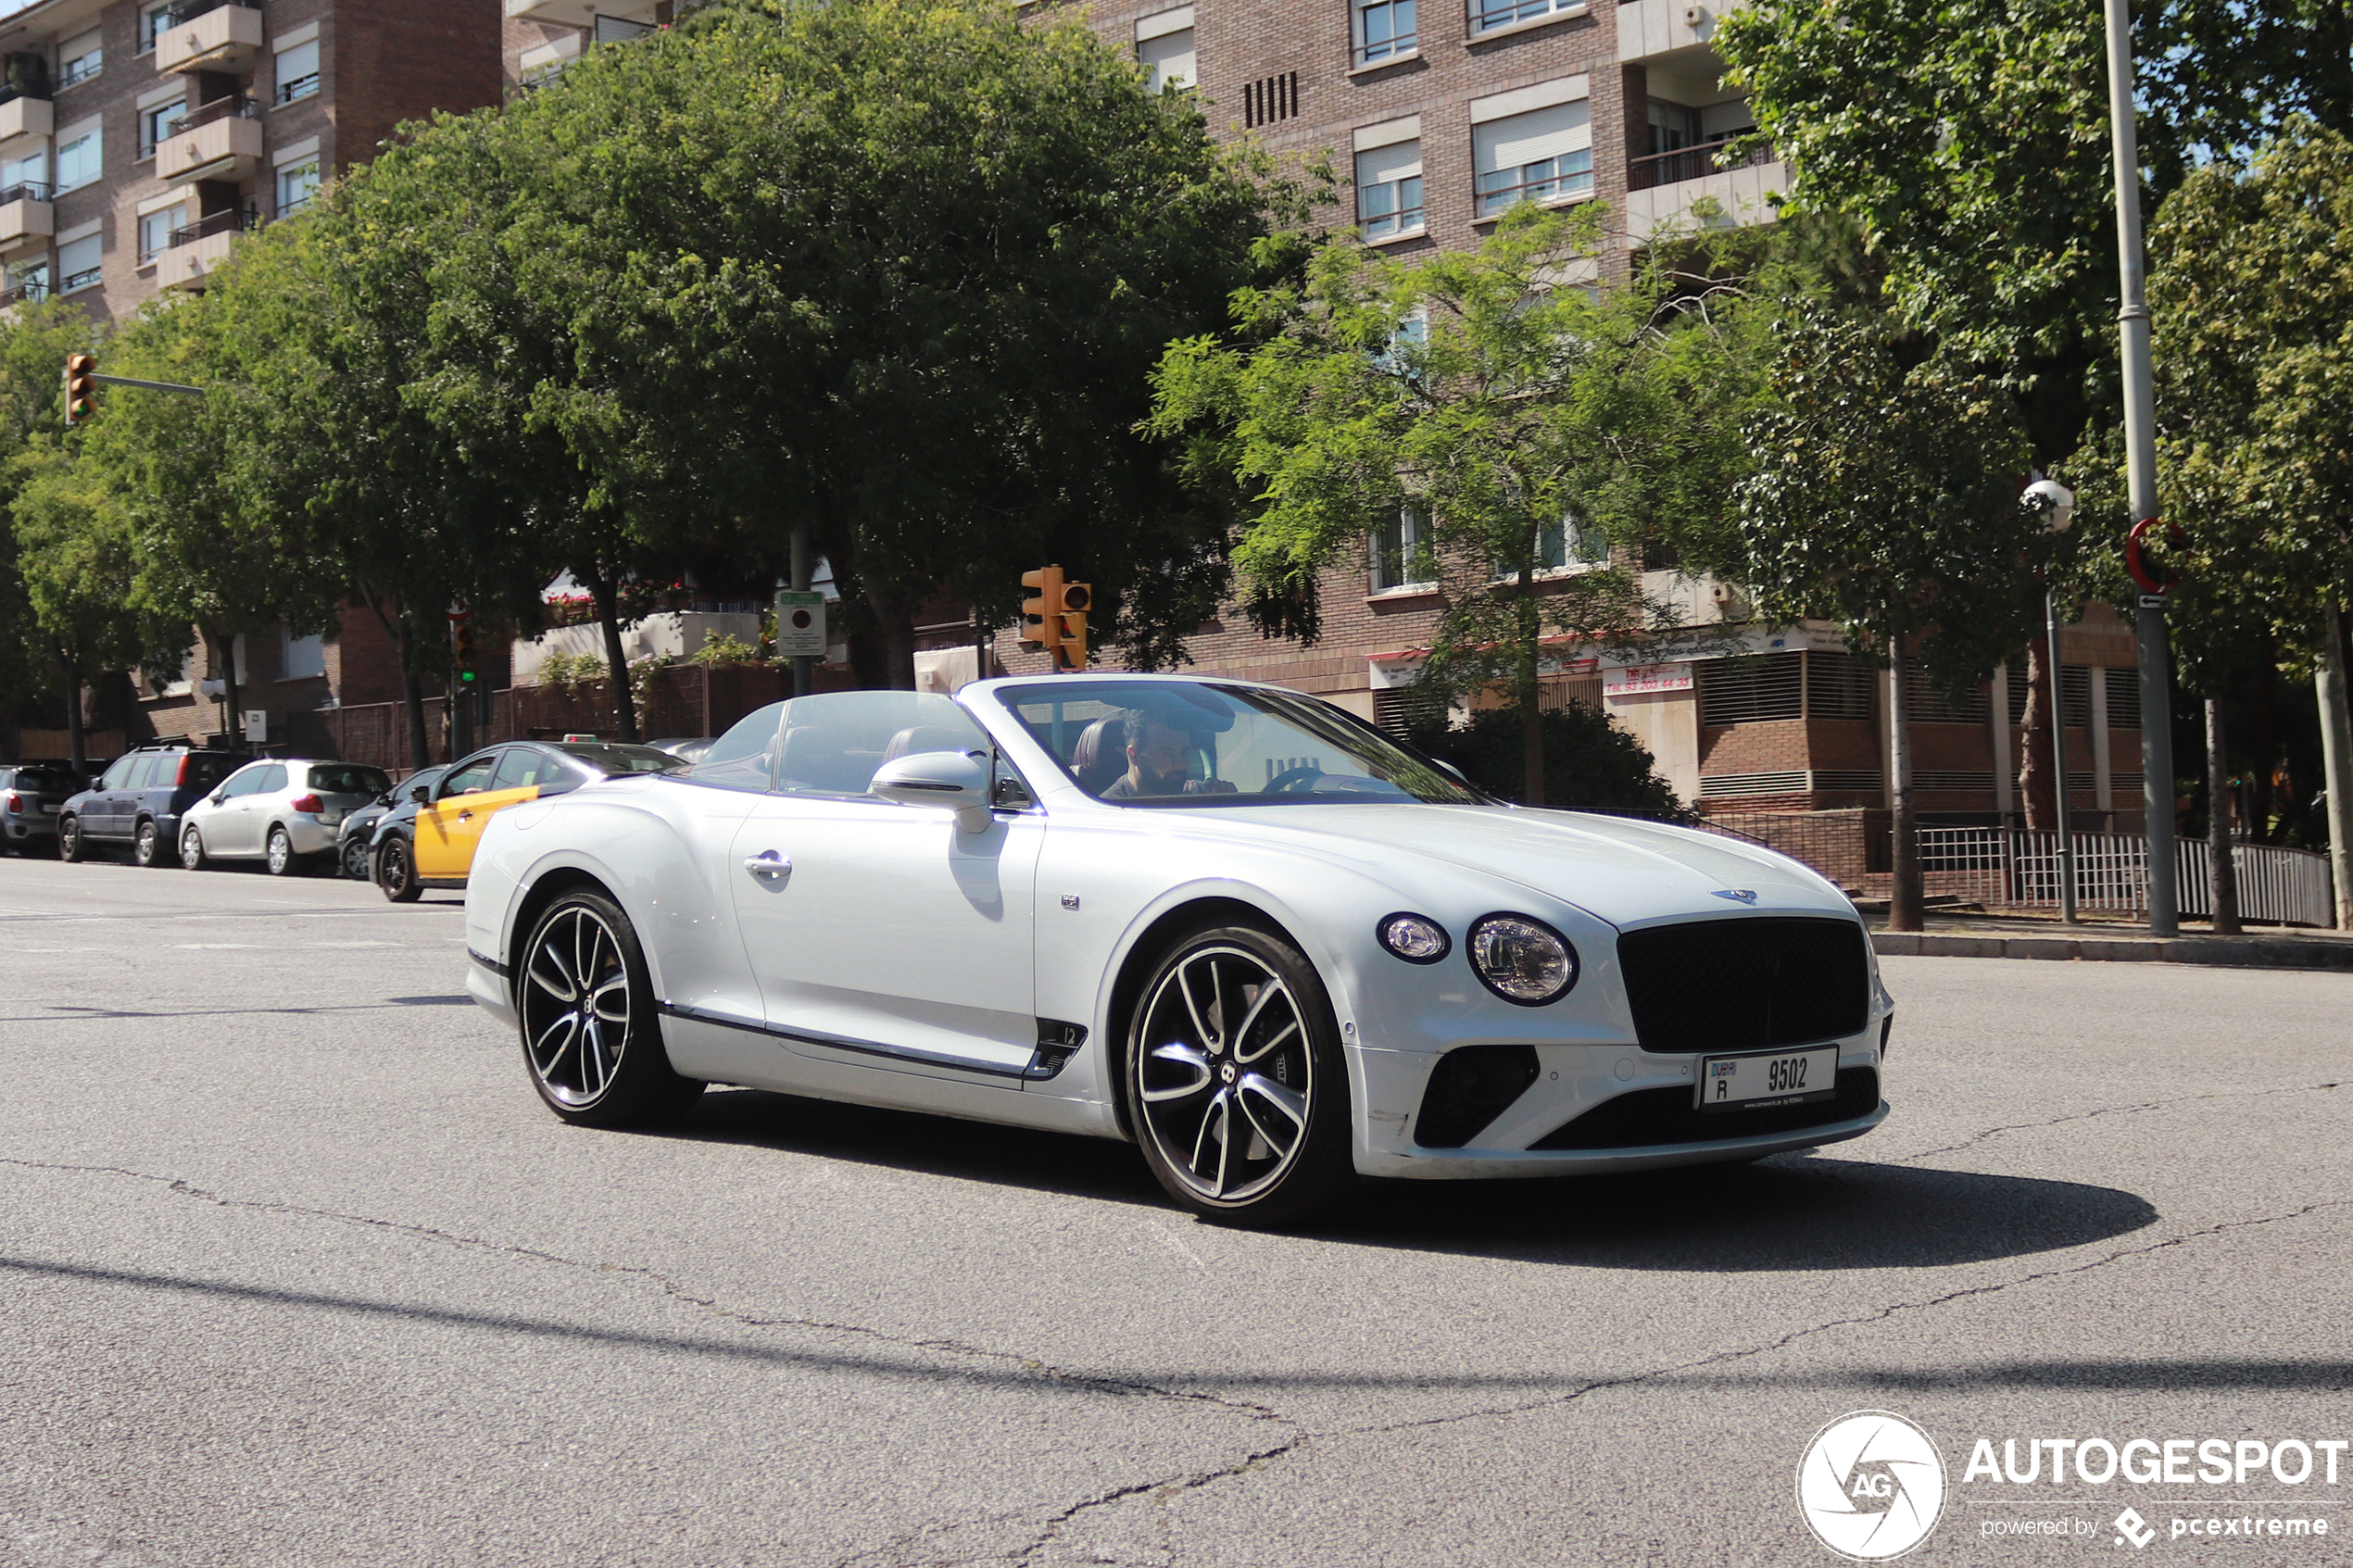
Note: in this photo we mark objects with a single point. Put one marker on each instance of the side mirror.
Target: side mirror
(948, 780)
(220, 796)
(420, 795)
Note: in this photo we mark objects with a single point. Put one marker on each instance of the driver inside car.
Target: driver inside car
(1158, 755)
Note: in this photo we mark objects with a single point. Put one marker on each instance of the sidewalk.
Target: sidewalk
(2025, 936)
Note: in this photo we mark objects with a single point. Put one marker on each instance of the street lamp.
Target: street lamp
(2057, 503)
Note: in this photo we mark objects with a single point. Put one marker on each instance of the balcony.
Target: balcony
(27, 220)
(1667, 187)
(21, 116)
(211, 35)
(582, 13)
(1648, 27)
(197, 249)
(222, 139)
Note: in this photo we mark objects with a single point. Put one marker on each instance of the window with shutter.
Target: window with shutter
(1545, 155)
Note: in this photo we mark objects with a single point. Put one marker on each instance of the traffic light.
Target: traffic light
(1072, 654)
(461, 647)
(82, 387)
(1041, 624)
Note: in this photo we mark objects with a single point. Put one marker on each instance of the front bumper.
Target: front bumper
(1571, 1080)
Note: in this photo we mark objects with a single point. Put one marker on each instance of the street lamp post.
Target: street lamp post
(2057, 503)
(2140, 443)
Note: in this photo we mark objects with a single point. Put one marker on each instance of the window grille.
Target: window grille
(1931, 705)
(1838, 685)
(2124, 699)
(1270, 99)
(1748, 691)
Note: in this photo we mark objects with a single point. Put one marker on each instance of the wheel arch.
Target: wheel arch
(1145, 951)
(550, 885)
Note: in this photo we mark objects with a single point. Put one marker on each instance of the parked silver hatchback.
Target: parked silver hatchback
(284, 813)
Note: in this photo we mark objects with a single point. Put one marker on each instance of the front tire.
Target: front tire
(591, 1040)
(279, 854)
(1235, 1082)
(70, 848)
(396, 872)
(147, 849)
(354, 858)
(191, 855)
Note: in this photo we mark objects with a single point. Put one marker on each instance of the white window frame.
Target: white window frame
(1399, 23)
(150, 23)
(88, 277)
(156, 230)
(155, 125)
(310, 652)
(1493, 16)
(1165, 47)
(72, 53)
(32, 274)
(292, 171)
(1398, 546)
(1389, 185)
(283, 91)
(1534, 143)
(93, 139)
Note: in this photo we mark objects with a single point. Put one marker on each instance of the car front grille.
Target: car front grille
(1745, 985)
(1668, 1116)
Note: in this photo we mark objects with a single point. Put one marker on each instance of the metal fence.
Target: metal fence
(2276, 886)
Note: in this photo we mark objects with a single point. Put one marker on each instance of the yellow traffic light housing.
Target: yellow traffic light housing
(1072, 654)
(1041, 622)
(81, 388)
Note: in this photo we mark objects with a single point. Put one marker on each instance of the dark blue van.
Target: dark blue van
(138, 800)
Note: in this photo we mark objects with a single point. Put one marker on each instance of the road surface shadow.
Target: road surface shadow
(1790, 1213)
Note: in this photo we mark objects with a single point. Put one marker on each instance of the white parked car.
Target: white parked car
(1226, 920)
(283, 812)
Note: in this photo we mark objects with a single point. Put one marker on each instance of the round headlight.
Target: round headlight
(1522, 960)
(1416, 938)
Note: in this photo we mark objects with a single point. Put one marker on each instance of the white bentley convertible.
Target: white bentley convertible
(1225, 921)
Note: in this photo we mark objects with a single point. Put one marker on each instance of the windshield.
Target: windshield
(1168, 743)
(611, 760)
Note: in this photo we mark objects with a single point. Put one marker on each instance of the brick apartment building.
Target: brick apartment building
(140, 138)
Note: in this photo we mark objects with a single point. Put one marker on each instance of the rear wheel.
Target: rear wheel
(590, 1037)
(1235, 1082)
(192, 853)
(70, 842)
(147, 849)
(396, 874)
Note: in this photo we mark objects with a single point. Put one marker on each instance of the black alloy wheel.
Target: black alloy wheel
(70, 846)
(396, 872)
(591, 1036)
(147, 849)
(1235, 1082)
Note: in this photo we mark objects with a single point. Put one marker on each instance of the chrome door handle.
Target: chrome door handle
(769, 862)
(465, 816)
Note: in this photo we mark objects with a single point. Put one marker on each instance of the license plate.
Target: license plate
(331, 819)
(49, 807)
(1756, 1083)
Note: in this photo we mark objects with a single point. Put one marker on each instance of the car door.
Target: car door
(883, 934)
(232, 829)
(103, 815)
(447, 828)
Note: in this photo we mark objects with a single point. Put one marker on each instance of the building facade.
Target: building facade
(140, 138)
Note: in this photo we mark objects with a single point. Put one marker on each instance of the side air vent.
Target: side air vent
(1471, 1087)
(1743, 985)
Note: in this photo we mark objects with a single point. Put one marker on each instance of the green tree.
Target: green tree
(1591, 764)
(1885, 497)
(35, 340)
(1492, 396)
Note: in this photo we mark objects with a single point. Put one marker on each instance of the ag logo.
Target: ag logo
(1872, 1484)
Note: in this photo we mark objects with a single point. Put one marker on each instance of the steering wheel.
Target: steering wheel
(1292, 781)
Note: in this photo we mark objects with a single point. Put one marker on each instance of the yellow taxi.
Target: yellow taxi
(429, 840)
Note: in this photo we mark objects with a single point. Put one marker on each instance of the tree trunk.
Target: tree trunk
(1531, 706)
(2221, 876)
(2036, 791)
(413, 689)
(233, 697)
(624, 700)
(894, 624)
(77, 738)
(2336, 755)
(1905, 898)
(2262, 804)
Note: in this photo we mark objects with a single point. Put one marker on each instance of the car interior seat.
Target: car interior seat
(918, 738)
(1102, 753)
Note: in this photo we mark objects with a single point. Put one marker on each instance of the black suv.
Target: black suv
(30, 795)
(139, 798)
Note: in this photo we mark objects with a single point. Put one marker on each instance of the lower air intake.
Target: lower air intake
(1470, 1088)
(1668, 1116)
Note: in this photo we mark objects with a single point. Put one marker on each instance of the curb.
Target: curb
(2232, 952)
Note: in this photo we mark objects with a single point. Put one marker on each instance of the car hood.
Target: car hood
(1624, 870)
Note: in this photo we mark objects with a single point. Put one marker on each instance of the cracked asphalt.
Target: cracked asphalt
(295, 1269)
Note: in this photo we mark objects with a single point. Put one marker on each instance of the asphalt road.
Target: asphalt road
(296, 1270)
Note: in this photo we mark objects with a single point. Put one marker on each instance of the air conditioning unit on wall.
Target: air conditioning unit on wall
(1695, 14)
(257, 725)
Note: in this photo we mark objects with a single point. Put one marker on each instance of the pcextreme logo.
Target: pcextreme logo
(1872, 1484)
